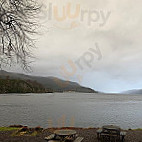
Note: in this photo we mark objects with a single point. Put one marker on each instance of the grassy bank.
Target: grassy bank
(3, 129)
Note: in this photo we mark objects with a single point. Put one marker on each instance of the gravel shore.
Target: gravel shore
(88, 134)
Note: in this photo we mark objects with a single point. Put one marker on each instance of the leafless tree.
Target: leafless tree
(18, 23)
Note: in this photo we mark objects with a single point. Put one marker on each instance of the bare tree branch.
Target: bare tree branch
(18, 23)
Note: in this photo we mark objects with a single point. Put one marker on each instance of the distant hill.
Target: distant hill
(135, 91)
(8, 85)
(50, 83)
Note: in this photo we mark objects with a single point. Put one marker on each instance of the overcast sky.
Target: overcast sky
(100, 46)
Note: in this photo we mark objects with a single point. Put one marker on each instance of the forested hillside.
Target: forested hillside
(52, 84)
(20, 86)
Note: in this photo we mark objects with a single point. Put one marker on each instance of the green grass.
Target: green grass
(34, 133)
(139, 129)
(8, 128)
(16, 133)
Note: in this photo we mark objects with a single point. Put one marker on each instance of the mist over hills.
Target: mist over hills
(135, 91)
(50, 83)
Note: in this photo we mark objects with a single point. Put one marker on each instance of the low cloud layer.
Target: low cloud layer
(119, 41)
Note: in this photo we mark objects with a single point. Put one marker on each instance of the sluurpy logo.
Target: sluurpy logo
(69, 16)
(86, 60)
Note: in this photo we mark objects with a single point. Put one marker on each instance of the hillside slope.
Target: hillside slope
(51, 83)
(135, 91)
(20, 86)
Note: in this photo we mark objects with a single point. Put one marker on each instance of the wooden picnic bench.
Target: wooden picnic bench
(50, 137)
(110, 133)
(78, 139)
(64, 135)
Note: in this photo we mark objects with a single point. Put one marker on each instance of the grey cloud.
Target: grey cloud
(119, 41)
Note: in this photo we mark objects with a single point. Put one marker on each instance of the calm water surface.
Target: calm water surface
(71, 109)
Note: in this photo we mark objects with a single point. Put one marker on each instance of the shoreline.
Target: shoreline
(12, 134)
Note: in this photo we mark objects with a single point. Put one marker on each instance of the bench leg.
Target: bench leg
(122, 138)
(98, 136)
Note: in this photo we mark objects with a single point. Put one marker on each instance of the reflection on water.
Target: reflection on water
(71, 109)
